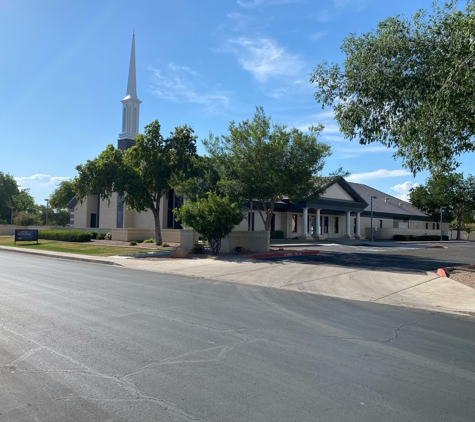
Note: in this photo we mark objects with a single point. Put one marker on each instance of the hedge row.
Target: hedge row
(65, 235)
(277, 234)
(418, 238)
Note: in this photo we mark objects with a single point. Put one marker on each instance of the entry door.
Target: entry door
(93, 220)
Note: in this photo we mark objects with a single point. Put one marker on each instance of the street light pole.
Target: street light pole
(46, 211)
(11, 216)
(372, 237)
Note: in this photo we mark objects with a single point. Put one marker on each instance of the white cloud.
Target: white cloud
(181, 84)
(343, 4)
(41, 186)
(403, 189)
(378, 174)
(251, 4)
(317, 36)
(265, 59)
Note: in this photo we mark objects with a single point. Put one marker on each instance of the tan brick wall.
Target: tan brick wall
(256, 241)
(108, 213)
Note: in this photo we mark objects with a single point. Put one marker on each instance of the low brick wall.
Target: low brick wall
(188, 238)
(127, 235)
(255, 241)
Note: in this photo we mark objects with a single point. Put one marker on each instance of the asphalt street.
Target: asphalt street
(90, 342)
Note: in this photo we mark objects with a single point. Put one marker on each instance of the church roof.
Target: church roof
(385, 203)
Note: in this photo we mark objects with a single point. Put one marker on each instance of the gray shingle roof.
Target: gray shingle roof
(385, 203)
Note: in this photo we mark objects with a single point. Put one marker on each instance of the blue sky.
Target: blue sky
(64, 67)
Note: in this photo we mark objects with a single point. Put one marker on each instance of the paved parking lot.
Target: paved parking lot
(401, 258)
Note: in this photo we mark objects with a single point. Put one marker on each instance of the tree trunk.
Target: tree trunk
(215, 246)
(158, 230)
(459, 226)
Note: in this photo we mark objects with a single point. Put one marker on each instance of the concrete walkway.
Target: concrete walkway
(427, 291)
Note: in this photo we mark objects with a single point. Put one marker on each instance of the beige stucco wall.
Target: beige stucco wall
(335, 191)
(108, 213)
(256, 241)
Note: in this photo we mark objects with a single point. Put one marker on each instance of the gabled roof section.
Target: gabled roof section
(385, 203)
(346, 187)
(72, 203)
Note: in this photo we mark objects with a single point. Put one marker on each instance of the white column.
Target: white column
(317, 223)
(358, 225)
(348, 224)
(305, 222)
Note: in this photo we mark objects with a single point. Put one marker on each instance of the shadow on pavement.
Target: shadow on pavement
(370, 261)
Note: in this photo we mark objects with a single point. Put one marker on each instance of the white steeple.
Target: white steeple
(130, 106)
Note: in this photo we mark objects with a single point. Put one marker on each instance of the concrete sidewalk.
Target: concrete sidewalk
(427, 291)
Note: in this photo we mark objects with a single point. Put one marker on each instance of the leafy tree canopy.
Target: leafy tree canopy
(141, 174)
(214, 217)
(409, 85)
(62, 194)
(258, 160)
(451, 191)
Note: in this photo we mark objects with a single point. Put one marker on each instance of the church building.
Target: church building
(344, 210)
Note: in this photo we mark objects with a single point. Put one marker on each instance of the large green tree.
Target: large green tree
(8, 190)
(408, 84)
(62, 194)
(451, 191)
(141, 174)
(258, 160)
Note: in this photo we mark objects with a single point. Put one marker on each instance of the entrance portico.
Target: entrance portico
(336, 213)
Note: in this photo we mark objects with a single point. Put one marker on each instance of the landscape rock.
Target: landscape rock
(179, 253)
(241, 249)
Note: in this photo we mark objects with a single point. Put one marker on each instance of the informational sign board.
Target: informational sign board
(24, 235)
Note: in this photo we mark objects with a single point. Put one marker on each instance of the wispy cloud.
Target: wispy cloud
(41, 186)
(251, 4)
(265, 59)
(182, 84)
(344, 4)
(317, 36)
(378, 174)
(403, 189)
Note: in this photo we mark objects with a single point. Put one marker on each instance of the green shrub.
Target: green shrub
(151, 240)
(197, 249)
(65, 235)
(165, 245)
(101, 236)
(132, 243)
(277, 234)
(427, 237)
(93, 235)
(139, 240)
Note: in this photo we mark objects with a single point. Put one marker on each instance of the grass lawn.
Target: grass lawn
(79, 248)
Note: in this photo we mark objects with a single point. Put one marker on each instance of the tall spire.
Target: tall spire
(131, 83)
(130, 106)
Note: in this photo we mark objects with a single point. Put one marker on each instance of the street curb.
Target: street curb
(282, 254)
(442, 272)
(72, 258)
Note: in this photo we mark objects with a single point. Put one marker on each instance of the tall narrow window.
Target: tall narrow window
(272, 223)
(250, 221)
(337, 221)
(325, 224)
(294, 223)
